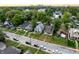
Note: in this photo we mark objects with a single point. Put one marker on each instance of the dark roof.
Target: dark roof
(49, 29)
(8, 24)
(27, 26)
(76, 22)
(9, 49)
(24, 25)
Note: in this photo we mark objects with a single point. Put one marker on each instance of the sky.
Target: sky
(41, 2)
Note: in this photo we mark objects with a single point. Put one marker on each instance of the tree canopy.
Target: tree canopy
(1, 36)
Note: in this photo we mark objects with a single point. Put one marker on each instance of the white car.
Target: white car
(42, 47)
(56, 50)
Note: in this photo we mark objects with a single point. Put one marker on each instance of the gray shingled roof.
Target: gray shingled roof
(8, 24)
(27, 26)
(48, 29)
(8, 49)
(39, 28)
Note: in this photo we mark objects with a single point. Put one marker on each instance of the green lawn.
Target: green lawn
(11, 43)
(25, 48)
(59, 40)
(52, 39)
(20, 32)
(41, 52)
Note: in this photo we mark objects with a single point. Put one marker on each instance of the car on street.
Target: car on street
(15, 39)
(42, 47)
(28, 43)
(36, 45)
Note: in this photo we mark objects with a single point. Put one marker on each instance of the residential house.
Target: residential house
(26, 26)
(8, 49)
(39, 27)
(49, 29)
(73, 17)
(76, 23)
(57, 14)
(63, 35)
(8, 24)
(62, 31)
(26, 10)
(43, 10)
(74, 33)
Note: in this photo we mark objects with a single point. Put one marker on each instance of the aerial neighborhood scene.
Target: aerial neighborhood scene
(39, 30)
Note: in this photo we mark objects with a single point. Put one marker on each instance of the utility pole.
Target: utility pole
(68, 32)
(76, 43)
(30, 37)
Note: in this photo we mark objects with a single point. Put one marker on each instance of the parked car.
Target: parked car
(15, 39)
(42, 47)
(28, 43)
(36, 45)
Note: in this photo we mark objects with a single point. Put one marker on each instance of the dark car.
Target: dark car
(36, 45)
(28, 43)
(15, 39)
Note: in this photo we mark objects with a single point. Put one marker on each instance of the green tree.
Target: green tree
(17, 20)
(2, 17)
(27, 15)
(78, 15)
(10, 14)
(49, 11)
(2, 38)
(57, 24)
(66, 17)
(71, 43)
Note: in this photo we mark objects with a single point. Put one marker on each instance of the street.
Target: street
(52, 48)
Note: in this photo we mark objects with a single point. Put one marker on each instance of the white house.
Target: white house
(43, 10)
(74, 33)
(57, 14)
(26, 10)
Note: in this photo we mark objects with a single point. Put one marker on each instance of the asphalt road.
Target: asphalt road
(52, 48)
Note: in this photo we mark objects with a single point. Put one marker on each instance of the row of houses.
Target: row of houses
(42, 28)
(74, 32)
(46, 29)
(39, 28)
